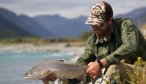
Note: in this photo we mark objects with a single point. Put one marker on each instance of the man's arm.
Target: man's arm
(129, 35)
(87, 55)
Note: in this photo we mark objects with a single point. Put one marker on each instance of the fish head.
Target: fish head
(32, 74)
(41, 70)
(36, 74)
(28, 75)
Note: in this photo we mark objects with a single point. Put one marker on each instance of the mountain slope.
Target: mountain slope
(138, 16)
(63, 27)
(9, 30)
(53, 26)
(25, 23)
(35, 28)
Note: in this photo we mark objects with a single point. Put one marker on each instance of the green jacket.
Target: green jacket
(126, 42)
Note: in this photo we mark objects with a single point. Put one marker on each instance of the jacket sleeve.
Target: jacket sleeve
(129, 36)
(88, 52)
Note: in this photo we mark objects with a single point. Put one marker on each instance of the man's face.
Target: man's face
(102, 30)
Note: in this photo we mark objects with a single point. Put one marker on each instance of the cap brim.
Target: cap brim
(94, 21)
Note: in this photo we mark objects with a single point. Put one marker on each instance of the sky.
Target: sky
(67, 8)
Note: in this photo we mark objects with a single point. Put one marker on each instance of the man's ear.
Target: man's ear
(110, 21)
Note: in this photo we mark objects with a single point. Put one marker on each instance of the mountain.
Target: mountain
(52, 26)
(63, 27)
(24, 23)
(45, 26)
(137, 15)
(8, 29)
(35, 28)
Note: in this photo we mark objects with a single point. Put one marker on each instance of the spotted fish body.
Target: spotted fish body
(60, 69)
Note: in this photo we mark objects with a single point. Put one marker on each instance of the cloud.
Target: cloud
(66, 8)
(124, 6)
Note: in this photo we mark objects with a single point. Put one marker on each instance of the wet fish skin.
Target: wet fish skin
(61, 70)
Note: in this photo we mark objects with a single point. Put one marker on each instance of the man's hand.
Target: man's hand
(94, 70)
(51, 77)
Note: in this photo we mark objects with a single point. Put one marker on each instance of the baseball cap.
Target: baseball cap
(99, 13)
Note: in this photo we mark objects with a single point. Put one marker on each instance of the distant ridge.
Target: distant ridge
(35, 28)
(52, 26)
(63, 27)
(23, 23)
(138, 15)
(8, 29)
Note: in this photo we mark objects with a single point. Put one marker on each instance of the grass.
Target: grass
(139, 76)
(136, 77)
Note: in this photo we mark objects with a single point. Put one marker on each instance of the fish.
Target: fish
(61, 70)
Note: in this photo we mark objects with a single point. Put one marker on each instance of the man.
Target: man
(113, 40)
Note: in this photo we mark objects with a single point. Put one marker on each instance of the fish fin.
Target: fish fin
(45, 72)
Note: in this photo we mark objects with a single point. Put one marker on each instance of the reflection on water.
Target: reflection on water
(14, 65)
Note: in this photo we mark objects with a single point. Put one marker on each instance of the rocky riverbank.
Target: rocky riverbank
(56, 47)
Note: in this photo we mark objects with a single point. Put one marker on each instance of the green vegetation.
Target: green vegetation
(85, 35)
(144, 30)
(23, 40)
(136, 77)
(139, 76)
(36, 40)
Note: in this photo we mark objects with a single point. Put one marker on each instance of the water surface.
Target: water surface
(13, 65)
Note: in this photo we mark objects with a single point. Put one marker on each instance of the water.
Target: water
(13, 65)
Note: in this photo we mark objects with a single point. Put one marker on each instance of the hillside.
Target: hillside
(35, 28)
(138, 15)
(63, 27)
(52, 26)
(9, 20)
(10, 30)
